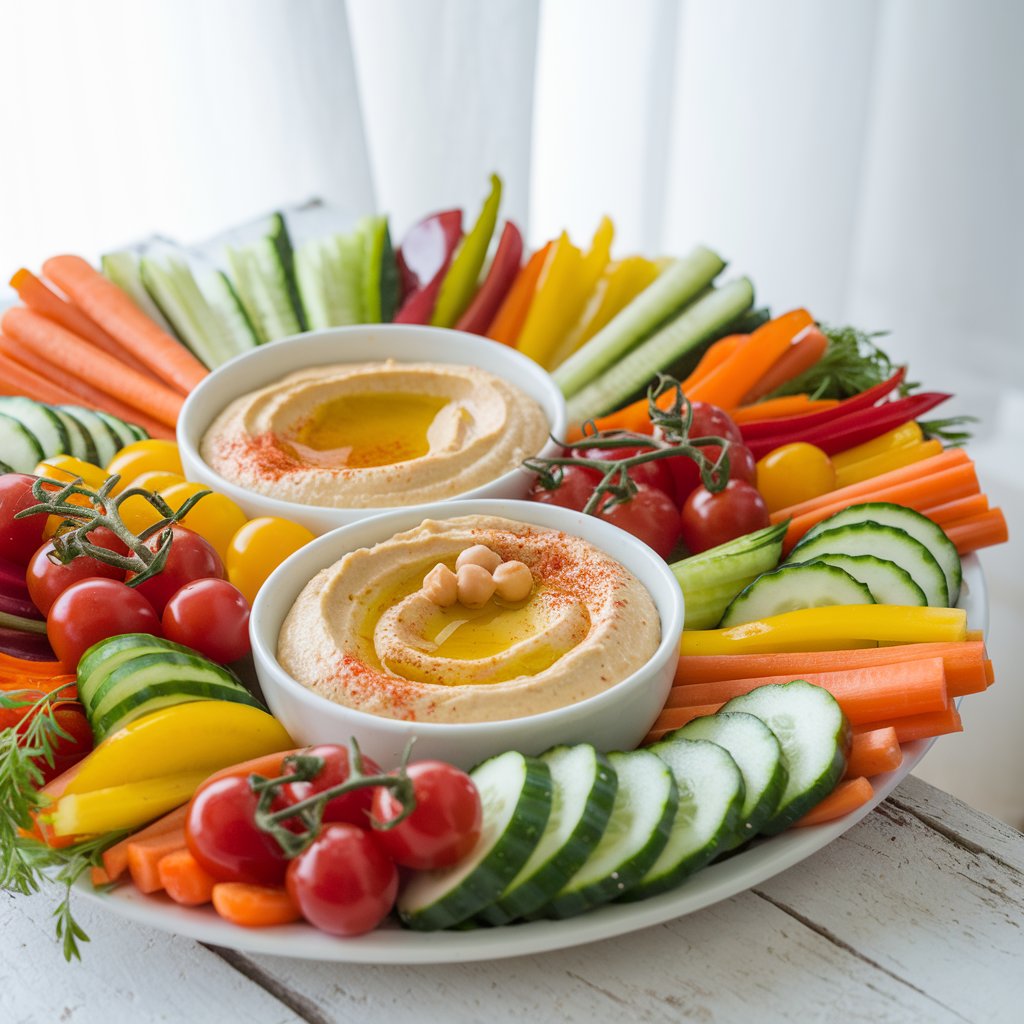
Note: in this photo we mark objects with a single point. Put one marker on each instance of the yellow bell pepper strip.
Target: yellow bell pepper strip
(511, 315)
(899, 437)
(884, 462)
(567, 281)
(836, 627)
(621, 282)
(459, 284)
(202, 735)
(121, 807)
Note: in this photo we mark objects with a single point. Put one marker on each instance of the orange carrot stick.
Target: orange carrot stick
(774, 408)
(60, 347)
(16, 379)
(511, 315)
(846, 797)
(980, 531)
(115, 860)
(801, 355)
(183, 878)
(23, 666)
(254, 906)
(714, 357)
(36, 295)
(923, 726)
(874, 752)
(962, 508)
(865, 694)
(965, 665)
(118, 315)
(144, 856)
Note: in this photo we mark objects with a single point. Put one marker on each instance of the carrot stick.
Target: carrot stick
(801, 355)
(36, 295)
(118, 315)
(60, 347)
(895, 458)
(865, 694)
(16, 379)
(967, 670)
(115, 860)
(511, 315)
(790, 405)
(923, 726)
(144, 856)
(183, 878)
(874, 752)
(962, 508)
(81, 393)
(253, 906)
(23, 666)
(714, 357)
(846, 797)
(978, 531)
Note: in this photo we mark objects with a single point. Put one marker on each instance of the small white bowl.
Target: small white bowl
(402, 342)
(617, 719)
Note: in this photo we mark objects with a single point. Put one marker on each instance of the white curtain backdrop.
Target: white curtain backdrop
(861, 157)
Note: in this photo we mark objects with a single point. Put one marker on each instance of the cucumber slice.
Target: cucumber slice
(637, 832)
(758, 755)
(140, 433)
(583, 793)
(81, 444)
(148, 701)
(708, 819)
(123, 268)
(22, 450)
(102, 658)
(919, 526)
(235, 330)
(713, 578)
(888, 582)
(793, 586)
(124, 432)
(888, 542)
(278, 235)
(516, 795)
(262, 286)
(380, 272)
(106, 442)
(40, 420)
(311, 274)
(815, 739)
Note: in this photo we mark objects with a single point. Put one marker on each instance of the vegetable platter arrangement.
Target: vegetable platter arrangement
(814, 518)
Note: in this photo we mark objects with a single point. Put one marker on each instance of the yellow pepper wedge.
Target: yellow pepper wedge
(831, 628)
(900, 437)
(200, 736)
(884, 462)
(566, 282)
(120, 807)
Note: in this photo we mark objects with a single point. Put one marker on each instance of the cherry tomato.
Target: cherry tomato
(144, 456)
(651, 516)
(442, 829)
(574, 492)
(215, 517)
(47, 579)
(343, 882)
(92, 610)
(654, 473)
(712, 519)
(19, 538)
(353, 807)
(157, 480)
(210, 616)
(794, 473)
(190, 558)
(742, 465)
(221, 833)
(137, 512)
(708, 421)
(66, 467)
(258, 548)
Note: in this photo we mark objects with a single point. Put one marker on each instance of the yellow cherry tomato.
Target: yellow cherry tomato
(794, 473)
(216, 518)
(65, 468)
(157, 480)
(138, 513)
(143, 456)
(259, 547)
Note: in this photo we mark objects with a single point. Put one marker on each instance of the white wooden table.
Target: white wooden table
(916, 914)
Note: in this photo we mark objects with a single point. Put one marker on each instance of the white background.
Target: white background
(860, 157)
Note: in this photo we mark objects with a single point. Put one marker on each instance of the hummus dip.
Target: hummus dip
(364, 633)
(364, 435)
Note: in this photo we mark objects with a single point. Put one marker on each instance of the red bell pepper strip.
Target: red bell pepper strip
(866, 399)
(854, 429)
(427, 249)
(504, 267)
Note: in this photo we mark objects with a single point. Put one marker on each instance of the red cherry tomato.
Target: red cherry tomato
(442, 829)
(654, 473)
(353, 807)
(742, 464)
(712, 519)
(47, 579)
(343, 882)
(221, 833)
(190, 558)
(650, 515)
(574, 492)
(92, 610)
(19, 538)
(708, 421)
(210, 616)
